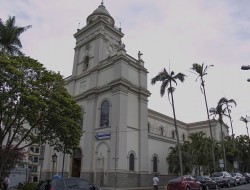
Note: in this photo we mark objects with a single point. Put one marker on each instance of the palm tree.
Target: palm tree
(227, 102)
(201, 71)
(198, 147)
(10, 43)
(220, 112)
(245, 120)
(242, 145)
(232, 153)
(173, 161)
(167, 80)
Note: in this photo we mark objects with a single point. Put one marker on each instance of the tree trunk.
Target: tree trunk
(223, 148)
(177, 134)
(247, 130)
(231, 125)
(210, 127)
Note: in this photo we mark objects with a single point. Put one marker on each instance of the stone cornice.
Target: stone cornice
(162, 138)
(117, 85)
(98, 24)
(135, 129)
(166, 119)
(108, 63)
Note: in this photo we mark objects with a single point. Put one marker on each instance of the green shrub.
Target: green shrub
(28, 186)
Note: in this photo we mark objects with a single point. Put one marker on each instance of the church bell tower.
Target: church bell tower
(111, 88)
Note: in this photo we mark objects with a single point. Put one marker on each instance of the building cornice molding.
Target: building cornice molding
(118, 85)
(98, 25)
(162, 138)
(166, 119)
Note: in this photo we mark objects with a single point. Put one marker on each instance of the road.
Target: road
(239, 187)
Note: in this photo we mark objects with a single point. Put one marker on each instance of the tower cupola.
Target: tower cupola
(100, 13)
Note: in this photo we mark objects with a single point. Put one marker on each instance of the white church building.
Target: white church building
(123, 141)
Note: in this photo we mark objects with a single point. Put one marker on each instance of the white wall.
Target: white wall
(161, 149)
(133, 110)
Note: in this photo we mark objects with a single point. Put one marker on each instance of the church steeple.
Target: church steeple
(100, 39)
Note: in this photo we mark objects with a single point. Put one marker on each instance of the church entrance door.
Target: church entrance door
(76, 163)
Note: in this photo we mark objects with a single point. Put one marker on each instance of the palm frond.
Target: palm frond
(180, 76)
(197, 68)
(244, 119)
(206, 68)
(164, 85)
(163, 75)
(200, 70)
(9, 35)
(224, 100)
(232, 101)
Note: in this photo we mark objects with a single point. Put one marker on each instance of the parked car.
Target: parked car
(224, 179)
(247, 176)
(207, 182)
(66, 184)
(186, 182)
(240, 179)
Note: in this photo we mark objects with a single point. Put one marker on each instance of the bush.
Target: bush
(27, 186)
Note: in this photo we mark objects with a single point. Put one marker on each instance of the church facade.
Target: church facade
(124, 143)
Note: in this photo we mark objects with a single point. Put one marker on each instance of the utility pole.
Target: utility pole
(115, 156)
(63, 162)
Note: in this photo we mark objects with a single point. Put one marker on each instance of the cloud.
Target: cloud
(170, 34)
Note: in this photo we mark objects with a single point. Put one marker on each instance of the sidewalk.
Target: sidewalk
(131, 188)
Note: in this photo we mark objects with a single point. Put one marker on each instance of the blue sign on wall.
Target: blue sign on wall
(103, 135)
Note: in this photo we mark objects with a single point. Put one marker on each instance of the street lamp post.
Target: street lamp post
(246, 67)
(54, 159)
(63, 163)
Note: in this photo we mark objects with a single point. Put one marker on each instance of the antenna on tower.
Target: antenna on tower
(78, 26)
(169, 65)
(102, 2)
(120, 28)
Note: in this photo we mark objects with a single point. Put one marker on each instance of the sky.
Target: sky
(171, 34)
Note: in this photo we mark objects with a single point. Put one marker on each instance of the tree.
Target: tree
(15, 155)
(168, 80)
(35, 108)
(227, 103)
(245, 120)
(231, 152)
(220, 112)
(199, 149)
(173, 160)
(10, 43)
(201, 71)
(243, 147)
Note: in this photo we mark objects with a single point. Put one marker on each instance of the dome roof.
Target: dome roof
(100, 12)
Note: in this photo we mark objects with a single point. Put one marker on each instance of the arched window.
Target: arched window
(173, 134)
(161, 130)
(77, 154)
(183, 137)
(35, 179)
(155, 164)
(104, 119)
(132, 162)
(149, 127)
(86, 62)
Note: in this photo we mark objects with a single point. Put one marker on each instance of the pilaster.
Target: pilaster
(88, 152)
(118, 144)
